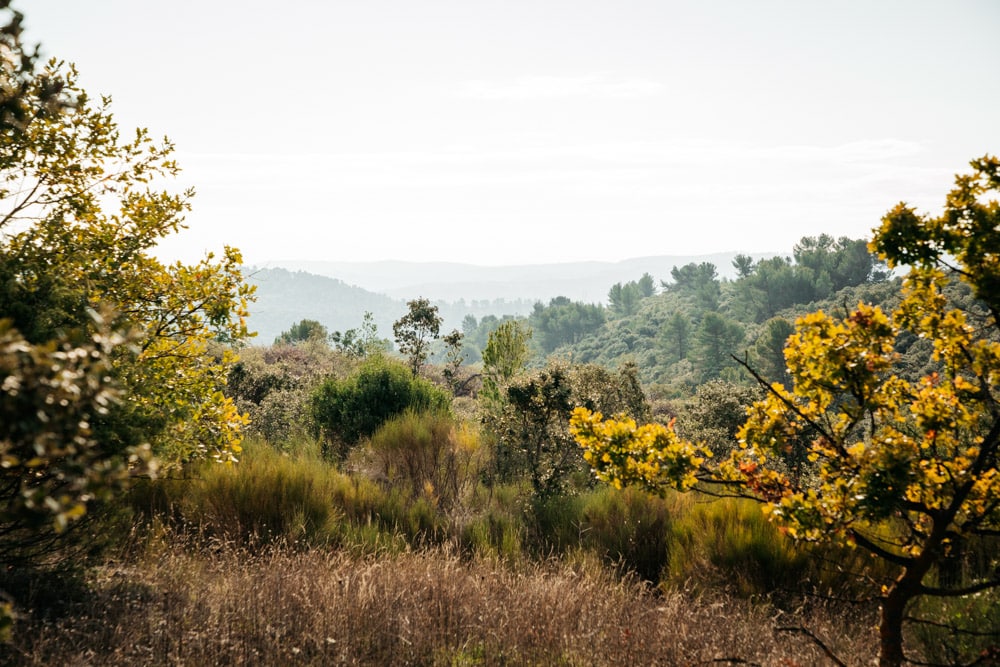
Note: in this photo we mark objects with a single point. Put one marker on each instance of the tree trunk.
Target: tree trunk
(890, 629)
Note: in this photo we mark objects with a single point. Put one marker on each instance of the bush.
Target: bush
(629, 528)
(268, 497)
(429, 454)
(272, 497)
(273, 385)
(729, 543)
(345, 411)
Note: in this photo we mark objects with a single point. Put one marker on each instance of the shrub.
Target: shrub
(628, 528)
(273, 386)
(429, 454)
(345, 411)
(730, 543)
(267, 497)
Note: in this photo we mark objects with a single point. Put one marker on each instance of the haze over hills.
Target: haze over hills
(286, 297)
(338, 294)
(580, 281)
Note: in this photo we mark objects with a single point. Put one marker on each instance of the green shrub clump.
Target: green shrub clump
(429, 454)
(347, 411)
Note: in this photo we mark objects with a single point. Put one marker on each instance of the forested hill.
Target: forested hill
(285, 297)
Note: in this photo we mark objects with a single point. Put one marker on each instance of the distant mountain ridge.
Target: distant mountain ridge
(449, 281)
(285, 297)
(338, 294)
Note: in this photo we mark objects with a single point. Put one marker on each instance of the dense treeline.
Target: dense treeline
(684, 332)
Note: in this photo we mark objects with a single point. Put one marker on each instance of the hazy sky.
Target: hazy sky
(517, 132)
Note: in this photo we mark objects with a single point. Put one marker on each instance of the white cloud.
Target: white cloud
(599, 86)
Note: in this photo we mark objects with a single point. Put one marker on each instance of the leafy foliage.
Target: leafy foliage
(905, 469)
(361, 343)
(506, 354)
(564, 321)
(87, 399)
(622, 453)
(301, 331)
(52, 466)
(345, 411)
(64, 255)
(531, 425)
(274, 385)
(415, 330)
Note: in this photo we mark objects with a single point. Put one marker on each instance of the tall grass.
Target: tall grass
(729, 543)
(429, 453)
(297, 498)
(181, 605)
(293, 499)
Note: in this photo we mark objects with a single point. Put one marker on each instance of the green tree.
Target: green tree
(838, 264)
(564, 322)
(85, 397)
(415, 331)
(698, 281)
(646, 285)
(677, 335)
(744, 265)
(713, 417)
(624, 299)
(80, 219)
(302, 331)
(505, 355)
(360, 343)
(52, 468)
(533, 429)
(453, 357)
(907, 470)
(767, 354)
(718, 339)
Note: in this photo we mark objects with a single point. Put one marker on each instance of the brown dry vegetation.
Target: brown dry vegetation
(180, 605)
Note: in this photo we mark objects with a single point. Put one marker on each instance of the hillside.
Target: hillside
(285, 297)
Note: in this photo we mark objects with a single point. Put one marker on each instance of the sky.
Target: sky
(518, 132)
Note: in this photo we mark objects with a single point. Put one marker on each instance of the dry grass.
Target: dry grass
(176, 605)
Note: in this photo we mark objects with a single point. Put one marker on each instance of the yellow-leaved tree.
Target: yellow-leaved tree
(110, 357)
(906, 469)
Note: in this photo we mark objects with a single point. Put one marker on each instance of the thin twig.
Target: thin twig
(816, 640)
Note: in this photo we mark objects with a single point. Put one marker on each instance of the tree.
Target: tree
(718, 338)
(744, 265)
(624, 299)
(363, 343)
(646, 285)
(79, 218)
(302, 331)
(715, 414)
(505, 355)
(51, 469)
(564, 321)
(907, 470)
(415, 330)
(768, 352)
(533, 429)
(453, 357)
(699, 281)
(677, 334)
(23, 94)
